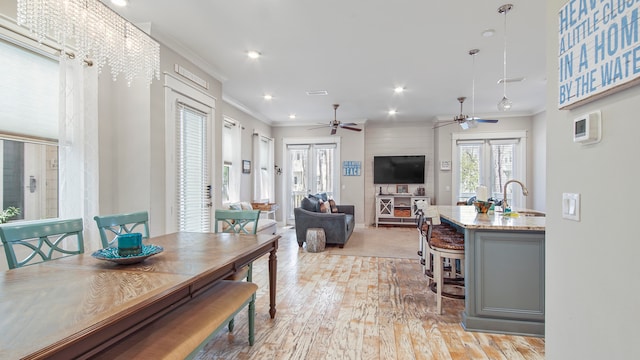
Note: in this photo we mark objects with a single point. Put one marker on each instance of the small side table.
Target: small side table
(315, 240)
(271, 213)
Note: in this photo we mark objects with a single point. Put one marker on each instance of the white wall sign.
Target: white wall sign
(598, 49)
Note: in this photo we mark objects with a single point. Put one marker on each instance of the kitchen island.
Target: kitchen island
(504, 270)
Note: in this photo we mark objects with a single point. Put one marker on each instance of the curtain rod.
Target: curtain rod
(70, 55)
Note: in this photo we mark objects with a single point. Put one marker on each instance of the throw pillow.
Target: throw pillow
(323, 206)
(235, 207)
(310, 204)
(334, 207)
(245, 206)
(319, 196)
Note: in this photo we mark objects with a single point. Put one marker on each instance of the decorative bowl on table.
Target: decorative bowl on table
(112, 254)
(482, 207)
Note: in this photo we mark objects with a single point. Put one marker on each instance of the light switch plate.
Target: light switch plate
(571, 206)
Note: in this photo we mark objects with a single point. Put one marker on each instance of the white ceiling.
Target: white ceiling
(358, 51)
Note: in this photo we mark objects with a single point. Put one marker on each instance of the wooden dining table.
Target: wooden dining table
(76, 306)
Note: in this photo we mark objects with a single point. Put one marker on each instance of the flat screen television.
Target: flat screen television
(405, 169)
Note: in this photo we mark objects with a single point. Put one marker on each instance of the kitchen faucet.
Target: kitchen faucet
(525, 192)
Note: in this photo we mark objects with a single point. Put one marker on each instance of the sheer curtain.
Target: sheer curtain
(78, 146)
(231, 153)
(263, 176)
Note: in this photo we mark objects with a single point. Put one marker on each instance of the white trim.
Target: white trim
(188, 90)
(489, 135)
(177, 89)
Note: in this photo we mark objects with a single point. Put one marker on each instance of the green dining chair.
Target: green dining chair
(238, 222)
(41, 240)
(111, 226)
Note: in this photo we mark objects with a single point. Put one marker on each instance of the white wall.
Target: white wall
(132, 142)
(538, 186)
(396, 139)
(592, 272)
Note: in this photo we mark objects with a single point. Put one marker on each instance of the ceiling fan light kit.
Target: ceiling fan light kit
(505, 104)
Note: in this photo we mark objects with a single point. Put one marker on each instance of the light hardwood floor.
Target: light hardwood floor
(350, 307)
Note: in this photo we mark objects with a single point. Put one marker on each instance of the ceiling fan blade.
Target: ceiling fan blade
(350, 128)
(333, 131)
(439, 125)
(348, 124)
(317, 127)
(486, 121)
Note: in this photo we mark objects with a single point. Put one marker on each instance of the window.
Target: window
(231, 160)
(28, 130)
(263, 176)
(490, 161)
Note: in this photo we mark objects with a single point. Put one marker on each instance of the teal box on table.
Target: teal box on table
(129, 244)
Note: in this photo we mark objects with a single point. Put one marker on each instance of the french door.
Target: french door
(189, 158)
(312, 168)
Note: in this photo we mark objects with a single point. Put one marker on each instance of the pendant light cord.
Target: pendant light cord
(504, 59)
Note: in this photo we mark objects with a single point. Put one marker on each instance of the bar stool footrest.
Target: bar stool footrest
(433, 287)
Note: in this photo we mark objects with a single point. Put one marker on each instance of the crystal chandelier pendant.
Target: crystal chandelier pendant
(93, 31)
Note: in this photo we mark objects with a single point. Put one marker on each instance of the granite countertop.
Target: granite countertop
(467, 217)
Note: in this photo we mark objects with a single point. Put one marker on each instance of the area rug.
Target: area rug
(390, 242)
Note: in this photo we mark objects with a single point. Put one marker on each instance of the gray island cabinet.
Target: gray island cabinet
(504, 270)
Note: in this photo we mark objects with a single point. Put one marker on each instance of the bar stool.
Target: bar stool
(443, 246)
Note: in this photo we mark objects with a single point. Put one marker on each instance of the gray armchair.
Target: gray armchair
(338, 226)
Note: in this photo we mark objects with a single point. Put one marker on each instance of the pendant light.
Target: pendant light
(505, 103)
(472, 122)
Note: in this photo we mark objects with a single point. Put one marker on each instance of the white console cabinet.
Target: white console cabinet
(397, 209)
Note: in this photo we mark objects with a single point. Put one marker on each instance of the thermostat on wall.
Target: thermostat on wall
(587, 129)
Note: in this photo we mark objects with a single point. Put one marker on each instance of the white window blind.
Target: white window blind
(192, 214)
(29, 93)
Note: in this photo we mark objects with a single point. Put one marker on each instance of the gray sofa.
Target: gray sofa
(338, 227)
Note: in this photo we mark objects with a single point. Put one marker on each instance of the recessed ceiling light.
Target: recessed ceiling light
(488, 33)
(399, 89)
(292, 116)
(268, 97)
(253, 54)
(393, 112)
(119, 2)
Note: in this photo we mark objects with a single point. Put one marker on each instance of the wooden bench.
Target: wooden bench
(183, 332)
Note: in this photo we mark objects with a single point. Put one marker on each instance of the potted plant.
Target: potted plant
(8, 213)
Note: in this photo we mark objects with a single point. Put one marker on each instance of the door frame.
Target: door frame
(174, 89)
(286, 186)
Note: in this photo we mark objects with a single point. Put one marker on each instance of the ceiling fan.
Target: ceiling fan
(335, 124)
(464, 121)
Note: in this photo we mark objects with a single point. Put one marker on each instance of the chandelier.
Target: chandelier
(94, 32)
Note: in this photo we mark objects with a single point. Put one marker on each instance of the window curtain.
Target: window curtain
(263, 176)
(78, 146)
(231, 152)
